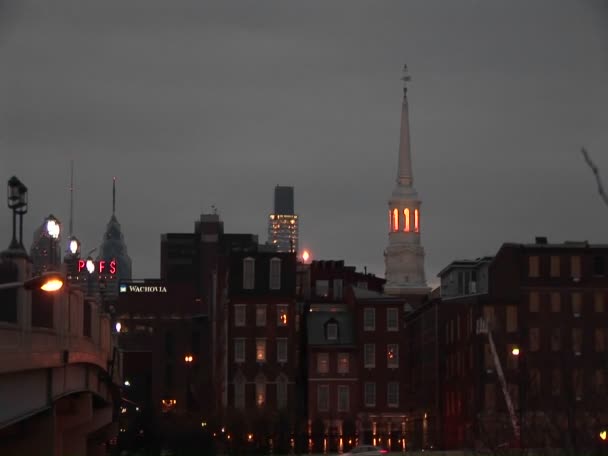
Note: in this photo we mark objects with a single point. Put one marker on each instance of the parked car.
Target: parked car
(366, 450)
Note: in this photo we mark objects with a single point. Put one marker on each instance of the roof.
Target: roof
(316, 328)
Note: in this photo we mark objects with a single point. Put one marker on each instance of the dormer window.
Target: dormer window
(248, 273)
(331, 330)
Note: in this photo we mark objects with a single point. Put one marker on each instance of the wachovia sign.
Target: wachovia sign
(142, 288)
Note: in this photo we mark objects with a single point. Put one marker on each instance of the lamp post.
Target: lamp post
(522, 375)
(17, 202)
(53, 229)
(49, 282)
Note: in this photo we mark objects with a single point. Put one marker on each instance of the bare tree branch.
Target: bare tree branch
(596, 173)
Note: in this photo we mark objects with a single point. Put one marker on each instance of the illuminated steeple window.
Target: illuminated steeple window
(416, 221)
(395, 219)
(406, 214)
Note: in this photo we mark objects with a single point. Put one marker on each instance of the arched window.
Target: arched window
(395, 219)
(416, 221)
(248, 273)
(406, 215)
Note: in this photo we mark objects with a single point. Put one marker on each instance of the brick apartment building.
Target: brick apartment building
(547, 300)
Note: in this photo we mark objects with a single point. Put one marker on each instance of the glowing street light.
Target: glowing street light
(127, 383)
(118, 326)
(188, 359)
(515, 351)
(305, 256)
(603, 435)
(49, 282)
(90, 265)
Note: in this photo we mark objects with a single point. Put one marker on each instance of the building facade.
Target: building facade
(283, 222)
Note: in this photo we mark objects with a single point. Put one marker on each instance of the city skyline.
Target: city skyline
(263, 99)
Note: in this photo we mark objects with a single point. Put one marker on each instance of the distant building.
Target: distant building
(404, 255)
(548, 301)
(283, 222)
(45, 251)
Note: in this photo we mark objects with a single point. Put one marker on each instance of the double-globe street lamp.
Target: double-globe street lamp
(53, 229)
(17, 202)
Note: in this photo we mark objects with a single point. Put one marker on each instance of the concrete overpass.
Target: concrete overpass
(58, 393)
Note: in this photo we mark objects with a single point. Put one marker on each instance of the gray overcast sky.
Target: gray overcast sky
(192, 103)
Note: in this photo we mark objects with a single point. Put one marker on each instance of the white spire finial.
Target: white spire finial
(405, 76)
(404, 172)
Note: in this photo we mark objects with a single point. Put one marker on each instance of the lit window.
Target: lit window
(239, 350)
(395, 219)
(369, 355)
(282, 315)
(392, 319)
(369, 319)
(533, 266)
(392, 394)
(239, 315)
(248, 273)
(168, 405)
(322, 363)
(392, 355)
(343, 363)
(260, 391)
(260, 315)
(343, 398)
(332, 331)
(406, 214)
(416, 221)
(275, 274)
(260, 350)
(282, 350)
(239, 392)
(323, 398)
(369, 394)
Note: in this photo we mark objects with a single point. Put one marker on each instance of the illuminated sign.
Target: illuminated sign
(102, 266)
(141, 288)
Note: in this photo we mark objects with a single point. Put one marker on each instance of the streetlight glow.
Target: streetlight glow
(52, 285)
(118, 327)
(90, 265)
(515, 351)
(52, 227)
(603, 435)
(305, 256)
(127, 383)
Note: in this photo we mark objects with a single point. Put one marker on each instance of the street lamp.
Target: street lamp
(74, 246)
(17, 202)
(53, 229)
(49, 282)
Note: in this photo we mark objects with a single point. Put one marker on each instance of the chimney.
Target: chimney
(541, 240)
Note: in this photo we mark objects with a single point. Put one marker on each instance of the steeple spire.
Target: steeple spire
(71, 198)
(405, 176)
(113, 195)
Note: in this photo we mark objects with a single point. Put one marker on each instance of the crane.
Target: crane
(482, 328)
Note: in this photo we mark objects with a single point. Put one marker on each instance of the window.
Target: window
(416, 221)
(282, 350)
(239, 350)
(239, 315)
(533, 266)
(556, 339)
(343, 363)
(534, 339)
(577, 304)
(343, 398)
(600, 339)
(555, 266)
(337, 289)
(275, 274)
(395, 219)
(489, 316)
(322, 363)
(511, 319)
(598, 381)
(556, 382)
(369, 394)
(260, 315)
(239, 392)
(575, 267)
(488, 360)
(392, 319)
(406, 214)
(332, 331)
(260, 391)
(260, 350)
(369, 355)
(598, 301)
(281, 392)
(599, 268)
(322, 288)
(282, 315)
(534, 301)
(577, 340)
(323, 398)
(392, 394)
(577, 383)
(392, 355)
(556, 302)
(248, 273)
(369, 319)
(490, 396)
(511, 358)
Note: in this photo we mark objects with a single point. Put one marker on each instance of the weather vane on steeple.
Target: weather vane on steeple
(405, 77)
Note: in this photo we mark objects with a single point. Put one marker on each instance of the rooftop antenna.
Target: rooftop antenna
(113, 195)
(71, 197)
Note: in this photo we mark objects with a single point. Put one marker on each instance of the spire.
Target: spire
(71, 197)
(113, 195)
(404, 174)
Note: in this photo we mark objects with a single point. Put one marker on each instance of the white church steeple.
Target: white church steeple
(404, 256)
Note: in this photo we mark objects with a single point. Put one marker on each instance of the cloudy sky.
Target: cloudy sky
(196, 103)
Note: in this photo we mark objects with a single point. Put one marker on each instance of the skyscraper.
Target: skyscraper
(404, 256)
(283, 222)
